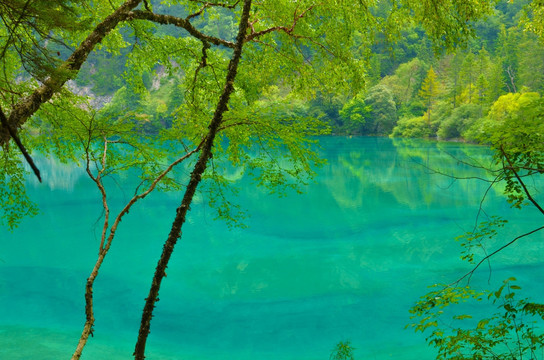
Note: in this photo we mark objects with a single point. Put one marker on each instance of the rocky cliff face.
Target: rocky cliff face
(97, 102)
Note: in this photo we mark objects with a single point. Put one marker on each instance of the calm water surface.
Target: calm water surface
(343, 261)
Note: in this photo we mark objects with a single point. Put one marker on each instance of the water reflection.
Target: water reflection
(55, 174)
(344, 260)
(416, 173)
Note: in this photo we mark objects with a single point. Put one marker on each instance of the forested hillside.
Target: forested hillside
(412, 88)
(416, 90)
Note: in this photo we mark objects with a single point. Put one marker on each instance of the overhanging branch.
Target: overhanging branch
(28, 105)
(210, 4)
(487, 257)
(181, 23)
(511, 167)
(20, 145)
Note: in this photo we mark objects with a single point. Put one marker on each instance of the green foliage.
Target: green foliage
(460, 120)
(511, 333)
(502, 58)
(30, 25)
(430, 90)
(531, 64)
(373, 113)
(417, 127)
(515, 130)
(14, 202)
(405, 82)
(342, 351)
(447, 313)
(476, 240)
(383, 113)
(355, 115)
(449, 24)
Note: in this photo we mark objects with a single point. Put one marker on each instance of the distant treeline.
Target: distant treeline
(411, 91)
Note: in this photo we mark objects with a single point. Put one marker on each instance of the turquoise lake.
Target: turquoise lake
(345, 260)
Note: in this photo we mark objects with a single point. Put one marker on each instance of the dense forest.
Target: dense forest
(412, 88)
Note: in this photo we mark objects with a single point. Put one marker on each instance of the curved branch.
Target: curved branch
(209, 4)
(179, 22)
(27, 106)
(487, 257)
(105, 243)
(285, 29)
(511, 167)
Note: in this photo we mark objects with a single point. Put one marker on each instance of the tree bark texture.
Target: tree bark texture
(106, 243)
(196, 176)
(28, 105)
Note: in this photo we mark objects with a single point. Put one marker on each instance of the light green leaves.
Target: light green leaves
(515, 130)
(14, 202)
(510, 333)
(475, 241)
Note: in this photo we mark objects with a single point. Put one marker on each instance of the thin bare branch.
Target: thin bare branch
(150, 189)
(208, 5)
(240, 123)
(485, 258)
(203, 63)
(511, 166)
(216, 4)
(105, 243)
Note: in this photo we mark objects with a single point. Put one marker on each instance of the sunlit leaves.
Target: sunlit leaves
(14, 202)
(32, 27)
(534, 18)
(515, 130)
(448, 22)
(476, 240)
(510, 333)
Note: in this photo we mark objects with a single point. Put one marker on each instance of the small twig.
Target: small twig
(146, 5)
(471, 272)
(198, 13)
(209, 4)
(226, 126)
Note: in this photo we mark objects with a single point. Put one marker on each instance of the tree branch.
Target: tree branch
(511, 167)
(27, 106)
(210, 4)
(179, 22)
(203, 63)
(13, 134)
(487, 257)
(196, 177)
(288, 30)
(105, 243)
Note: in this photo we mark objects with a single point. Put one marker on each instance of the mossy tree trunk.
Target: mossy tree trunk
(196, 177)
